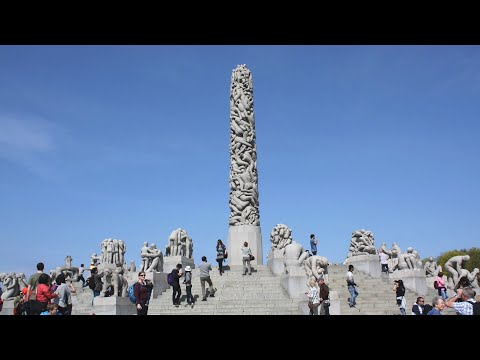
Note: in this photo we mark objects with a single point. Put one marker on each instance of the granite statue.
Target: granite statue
(280, 236)
(362, 242)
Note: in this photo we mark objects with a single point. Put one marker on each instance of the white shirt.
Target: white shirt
(383, 258)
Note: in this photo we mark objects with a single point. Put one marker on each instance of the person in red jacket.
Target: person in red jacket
(43, 294)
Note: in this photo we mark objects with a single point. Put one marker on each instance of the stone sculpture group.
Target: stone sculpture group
(243, 152)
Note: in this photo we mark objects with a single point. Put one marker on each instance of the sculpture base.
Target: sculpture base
(368, 264)
(7, 308)
(414, 280)
(237, 235)
(159, 281)
(295, 282)
(275, 262)
(113, 305)
(170, 262)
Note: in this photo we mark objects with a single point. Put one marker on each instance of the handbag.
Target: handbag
(226, 255)
(310, 304)
(252, 257)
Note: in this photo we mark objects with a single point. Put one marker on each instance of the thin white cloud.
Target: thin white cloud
(25, 135)
(28, 141)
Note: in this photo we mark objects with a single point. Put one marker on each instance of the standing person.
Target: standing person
(383, 261)
(399, 290)
(313, 244)
(177, 291)
(81, 270)
(438, 305)
(351, 287)
(188, 284)
(246, 253)
(324, 297)
(441, 288)
(64, 292)
(43, 294)
(205, 268)
(221, 249)
(313, 295)
(30, 297)
(465, 306)
(142, 291)
(95, 282)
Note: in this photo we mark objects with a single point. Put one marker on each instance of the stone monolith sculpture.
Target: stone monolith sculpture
(244, 220)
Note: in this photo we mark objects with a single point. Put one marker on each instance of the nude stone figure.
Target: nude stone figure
(317, 266)
(294, 255)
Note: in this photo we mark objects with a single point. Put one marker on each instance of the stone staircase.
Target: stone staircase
(262, 294)
(236, 294)
(82, 301)
(376, 296)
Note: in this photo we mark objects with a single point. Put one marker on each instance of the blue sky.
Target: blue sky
(132, 142)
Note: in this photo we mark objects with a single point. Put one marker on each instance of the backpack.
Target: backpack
(170, 278)
(435, 285)
(91, 282)
(476, 307)
(131, 293)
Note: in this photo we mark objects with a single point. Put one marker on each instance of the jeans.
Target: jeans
(246, 265)
(402, 311)
(443, 293)
(190, 299)
(177, 292)
(220, 265)
(202, 283)
(353, 294)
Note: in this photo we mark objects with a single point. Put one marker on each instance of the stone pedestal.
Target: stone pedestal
(113, 305)
(170, 262)
(295, 282)
(7, 308)
(414, 280)
(159, 281)
(237, 235)
(275, 262)
(368, 264)
(335, 303)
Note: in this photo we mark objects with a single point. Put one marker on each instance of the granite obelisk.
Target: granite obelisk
(244, 221)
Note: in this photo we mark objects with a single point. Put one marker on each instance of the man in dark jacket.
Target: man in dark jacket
(177, 291)
(324, 297)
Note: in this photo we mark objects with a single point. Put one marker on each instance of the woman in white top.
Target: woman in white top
(313, 295)
(246, 253)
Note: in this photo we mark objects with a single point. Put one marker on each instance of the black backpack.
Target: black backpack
(476, 307)
(91, 282)
(170, 278)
